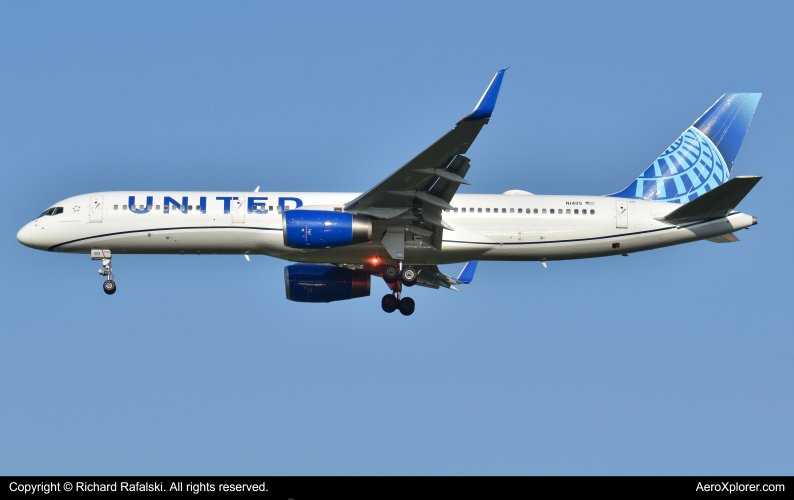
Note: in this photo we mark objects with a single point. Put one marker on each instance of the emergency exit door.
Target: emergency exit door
(95, 209)
(622, 214)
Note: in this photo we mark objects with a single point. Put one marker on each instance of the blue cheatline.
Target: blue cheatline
(701, 158)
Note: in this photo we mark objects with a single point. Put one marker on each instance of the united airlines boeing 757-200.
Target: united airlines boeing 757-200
(414, 220)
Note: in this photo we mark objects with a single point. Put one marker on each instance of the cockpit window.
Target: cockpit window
(52, 211)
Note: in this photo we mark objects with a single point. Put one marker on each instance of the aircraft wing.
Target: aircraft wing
(417, 193)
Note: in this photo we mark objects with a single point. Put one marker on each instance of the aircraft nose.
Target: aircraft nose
(25, 235)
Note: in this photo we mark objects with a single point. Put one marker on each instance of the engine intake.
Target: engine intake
(324, 229)
(324, 283)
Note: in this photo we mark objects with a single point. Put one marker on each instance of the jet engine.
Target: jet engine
(324, 229)
(324, 283)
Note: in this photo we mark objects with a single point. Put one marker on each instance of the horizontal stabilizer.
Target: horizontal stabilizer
(718, 202)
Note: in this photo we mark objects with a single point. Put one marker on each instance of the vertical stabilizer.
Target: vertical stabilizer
(701, 158)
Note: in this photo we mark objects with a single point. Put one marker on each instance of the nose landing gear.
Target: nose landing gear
(396, 278)
(109, 286)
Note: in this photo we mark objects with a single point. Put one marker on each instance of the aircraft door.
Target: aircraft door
(238, 210)
(622, 214)
(95, 209)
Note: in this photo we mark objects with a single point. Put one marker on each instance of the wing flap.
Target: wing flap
(725, 238)
(432, 277)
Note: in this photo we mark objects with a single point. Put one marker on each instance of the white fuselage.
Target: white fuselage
(493, 227)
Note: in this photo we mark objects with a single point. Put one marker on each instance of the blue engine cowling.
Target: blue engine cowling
(324, 283)
(324, 229)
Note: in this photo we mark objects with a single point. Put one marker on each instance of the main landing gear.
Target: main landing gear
(396, 278)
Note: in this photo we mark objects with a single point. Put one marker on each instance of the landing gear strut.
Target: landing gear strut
(395, 278)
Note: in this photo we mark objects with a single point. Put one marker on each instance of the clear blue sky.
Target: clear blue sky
(675, 361)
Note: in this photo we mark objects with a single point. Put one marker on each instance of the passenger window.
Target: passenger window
(471, 210)
(148, 207)
(157, 207)
(544, 210)
(551, 211)
(504, 210)
(115, 207)
(463, 210)
(511, 210)
(535, 211)
(124, 207)
(487, 210)
(592, 212)
(496, 210)
(455, 210)
(568, 211)
(575, 211)
(190, 207)
(479, 210)
(559, 211)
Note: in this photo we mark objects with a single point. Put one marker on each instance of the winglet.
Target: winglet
(468, 271)
(487, 102)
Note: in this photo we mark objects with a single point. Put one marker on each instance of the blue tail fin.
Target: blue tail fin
(702, 158)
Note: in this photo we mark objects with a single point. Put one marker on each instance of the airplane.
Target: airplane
(415, 219)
